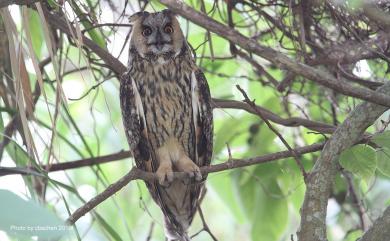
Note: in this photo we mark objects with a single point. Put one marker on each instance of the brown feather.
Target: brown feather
(160, 124)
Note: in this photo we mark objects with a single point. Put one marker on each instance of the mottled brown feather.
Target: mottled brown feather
(163, 83)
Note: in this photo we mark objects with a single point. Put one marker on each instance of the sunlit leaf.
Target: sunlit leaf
(223, 186)
(229, 130)
(25, 218)
(247, 193)
(354, 235)
(382, 139)
(383, 155)
(271, 215)
(95, 34)
(36, 33)
(360, 160)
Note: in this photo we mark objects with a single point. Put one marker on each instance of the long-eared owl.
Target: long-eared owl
(167, 116)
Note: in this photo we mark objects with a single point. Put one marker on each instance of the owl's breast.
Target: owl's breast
(168, 109)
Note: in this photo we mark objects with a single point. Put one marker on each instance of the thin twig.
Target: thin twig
(294, 154)
(66, 165)
(356, 201)
(205, 226)
(279, 59)
(150, 233)
(292, 121)
(107, 24)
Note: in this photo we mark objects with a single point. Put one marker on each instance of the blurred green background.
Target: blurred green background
(259, 203)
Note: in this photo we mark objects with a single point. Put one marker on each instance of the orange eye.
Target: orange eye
(168, 28)
(147, 31)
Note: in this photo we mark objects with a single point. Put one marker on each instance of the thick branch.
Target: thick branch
(352, 51)
(313, 211)
(57, 21)
(109, 191)
(319, 76)
(374, 13)
(380, 230)
(279, 59)
(147, 176)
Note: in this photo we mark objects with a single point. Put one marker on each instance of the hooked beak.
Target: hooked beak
(159, 41)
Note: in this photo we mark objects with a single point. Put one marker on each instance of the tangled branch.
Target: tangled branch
(328, 64)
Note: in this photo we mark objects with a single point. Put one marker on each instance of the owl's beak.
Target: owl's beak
(159, 46)
(159, 41)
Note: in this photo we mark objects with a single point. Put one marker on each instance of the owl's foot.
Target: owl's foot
(185, 164)
(165, 174)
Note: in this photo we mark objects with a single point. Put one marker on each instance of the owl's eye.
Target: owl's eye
(168, 28)
(147, 31)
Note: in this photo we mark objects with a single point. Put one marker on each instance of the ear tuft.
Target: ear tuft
(137, 15)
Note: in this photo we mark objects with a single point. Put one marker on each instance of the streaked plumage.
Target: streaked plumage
(167, 115)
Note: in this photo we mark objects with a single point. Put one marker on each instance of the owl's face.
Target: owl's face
(156, 34)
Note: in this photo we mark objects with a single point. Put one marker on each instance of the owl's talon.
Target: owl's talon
(198, 175)
(188, 166)
(165, 175)
(193, 176)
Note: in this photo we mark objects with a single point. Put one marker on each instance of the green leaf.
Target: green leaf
(16, 152)
(271, 215)
(223, 186)
(246, 191)
(383, 156)
(104, 224)
(260, 196)
(354, 235)
(382, 139)
(94, 33)
(37, 36)
(229, 130)
(19, 156)
(107, 227)
(360, 160)
(262, 142)
(25, 218)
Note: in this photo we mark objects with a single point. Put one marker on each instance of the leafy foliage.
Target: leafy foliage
(76, 116)
(360, 160)
(26, 218)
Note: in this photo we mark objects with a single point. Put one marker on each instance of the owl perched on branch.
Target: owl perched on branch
(167, 115)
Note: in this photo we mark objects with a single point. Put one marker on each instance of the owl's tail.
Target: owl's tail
(176, 232)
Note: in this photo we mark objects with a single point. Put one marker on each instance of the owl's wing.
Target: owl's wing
(134, 121)
(203, 119)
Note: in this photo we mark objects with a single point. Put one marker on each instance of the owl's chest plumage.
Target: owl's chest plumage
(165, 91)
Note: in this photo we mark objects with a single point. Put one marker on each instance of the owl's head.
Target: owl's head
(156, 34)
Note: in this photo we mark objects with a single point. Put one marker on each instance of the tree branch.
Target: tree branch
(380, 230)
(136, 173)
(318, 189)
(65, 165)
(294, 154)
(319, 76)
(87, 162)
(58, 22)
(292, 122)
(313, 211)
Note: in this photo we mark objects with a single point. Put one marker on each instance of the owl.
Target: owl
(167, 116)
